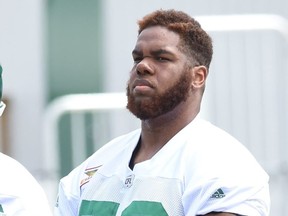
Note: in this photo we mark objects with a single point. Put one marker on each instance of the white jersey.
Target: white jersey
(20, 193)
(201, 169)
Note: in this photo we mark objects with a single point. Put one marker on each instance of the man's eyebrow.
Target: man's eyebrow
(153, 52)
(160, 52)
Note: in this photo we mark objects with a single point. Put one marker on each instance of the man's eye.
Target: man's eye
(137, 60)
(162, 59)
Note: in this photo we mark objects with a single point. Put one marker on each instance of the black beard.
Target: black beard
(162, 103)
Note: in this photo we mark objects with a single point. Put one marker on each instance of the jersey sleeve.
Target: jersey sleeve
(254, 201)
(225, 177)
(232, 189)
(68, 197)
(66, 203)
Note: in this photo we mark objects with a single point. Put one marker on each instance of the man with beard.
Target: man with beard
(176, 164)
(20, 193)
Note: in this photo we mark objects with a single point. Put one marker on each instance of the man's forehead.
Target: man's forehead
(158, 34)
(156, 47)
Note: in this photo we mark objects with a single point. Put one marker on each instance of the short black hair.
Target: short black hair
(194, 40)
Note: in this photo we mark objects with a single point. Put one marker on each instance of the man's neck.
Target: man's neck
(158, 131)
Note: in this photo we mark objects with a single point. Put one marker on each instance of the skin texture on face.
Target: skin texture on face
(160, 78)
(160, 103)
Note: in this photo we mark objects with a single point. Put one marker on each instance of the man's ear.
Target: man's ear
(199, 75)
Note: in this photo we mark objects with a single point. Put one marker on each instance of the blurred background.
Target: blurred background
(54, 52)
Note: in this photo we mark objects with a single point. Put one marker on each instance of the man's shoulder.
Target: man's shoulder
(11, 167)
(107, 153)
(116, 145)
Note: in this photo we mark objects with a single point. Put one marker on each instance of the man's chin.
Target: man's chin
(140, 114)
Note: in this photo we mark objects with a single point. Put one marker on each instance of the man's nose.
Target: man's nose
(144, 67)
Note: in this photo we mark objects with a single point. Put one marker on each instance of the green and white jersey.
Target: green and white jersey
(20, 193)
(200, 170)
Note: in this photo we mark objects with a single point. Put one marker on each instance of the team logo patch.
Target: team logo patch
(89, 172)
(129, 181)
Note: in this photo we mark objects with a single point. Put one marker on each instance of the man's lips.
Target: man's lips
(142, 82)
(142, 85)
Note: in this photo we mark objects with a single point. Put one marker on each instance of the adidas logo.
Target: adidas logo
(218, 194)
